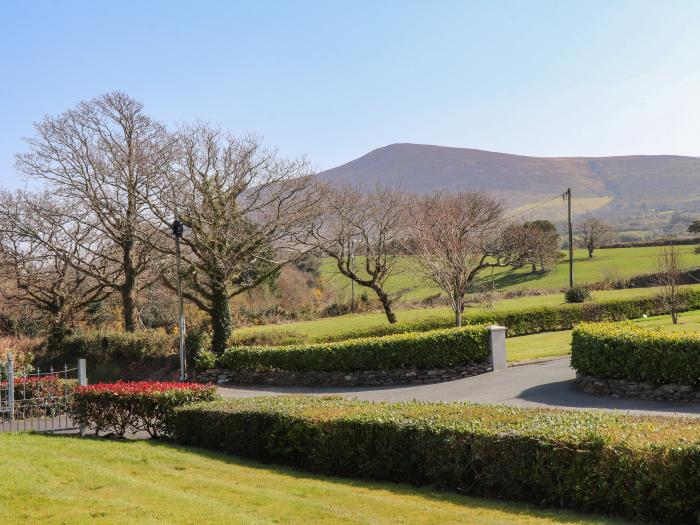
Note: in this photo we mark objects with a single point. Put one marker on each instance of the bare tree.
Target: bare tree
(670, 274)
(246, 211)
(537, 244)
(370, 224)
(42, 277)
(592, 233)
(456, 237)
(103, 157)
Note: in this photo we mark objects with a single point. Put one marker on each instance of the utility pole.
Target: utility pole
(352, 281)
(178, 229)
(567, 196)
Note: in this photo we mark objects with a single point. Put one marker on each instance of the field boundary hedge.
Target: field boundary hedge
(639, 468)
(543, 318)
(628, 351)
(424, 350)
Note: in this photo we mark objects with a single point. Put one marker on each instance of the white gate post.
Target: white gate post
(11, 385)
(497, 347)
(82, 381)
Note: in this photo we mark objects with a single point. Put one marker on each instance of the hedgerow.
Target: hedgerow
(438, 348)
(534, 320)
(140, 406)
(639, 468)
(129, 346)
(628, 351)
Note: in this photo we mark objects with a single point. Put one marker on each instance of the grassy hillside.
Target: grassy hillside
(347, 324)
(67, 480)
(613, 263)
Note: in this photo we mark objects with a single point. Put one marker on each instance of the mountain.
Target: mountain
(611, 186)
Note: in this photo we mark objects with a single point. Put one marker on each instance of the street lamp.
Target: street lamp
(178, 230)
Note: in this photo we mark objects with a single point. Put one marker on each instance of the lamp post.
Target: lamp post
(178, 230)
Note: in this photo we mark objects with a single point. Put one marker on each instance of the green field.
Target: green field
(346, 324)
(607, 264)
(69, 480)
(552, 344)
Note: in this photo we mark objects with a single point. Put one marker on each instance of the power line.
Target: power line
(535, 206)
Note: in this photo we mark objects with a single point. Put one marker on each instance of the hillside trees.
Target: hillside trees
(694, 227)
(457, 236)
(592, 233)
(246, 213)
(102, 158)
(371, 225)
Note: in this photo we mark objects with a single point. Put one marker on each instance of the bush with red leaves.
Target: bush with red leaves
(141, 406)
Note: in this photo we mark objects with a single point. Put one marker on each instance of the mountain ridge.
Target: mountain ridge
(616, 183)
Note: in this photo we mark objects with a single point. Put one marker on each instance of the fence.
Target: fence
(38, 400)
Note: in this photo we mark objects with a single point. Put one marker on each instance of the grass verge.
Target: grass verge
(69, 480)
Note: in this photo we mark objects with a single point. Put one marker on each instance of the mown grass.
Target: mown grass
(607, 264)
(551, 344)
(69, 480)
(347, 324)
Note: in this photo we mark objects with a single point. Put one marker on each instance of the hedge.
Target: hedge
(132, 346)
(628, 351)
(541, 319)
(639, 468)
(438, 348)
(140, 406)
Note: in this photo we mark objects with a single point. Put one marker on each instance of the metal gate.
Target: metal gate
(39, 400)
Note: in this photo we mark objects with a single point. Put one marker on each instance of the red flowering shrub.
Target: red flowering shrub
(140, 406)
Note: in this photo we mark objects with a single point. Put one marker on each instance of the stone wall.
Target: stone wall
(400, 376)
(629, 389)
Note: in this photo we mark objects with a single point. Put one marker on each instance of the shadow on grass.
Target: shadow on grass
(517, 509)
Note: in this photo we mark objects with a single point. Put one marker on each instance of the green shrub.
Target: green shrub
(113, 346)
(577, 294)
(438, 348)
(141, 406)
(640, 468)
(628, 351)
(204, 360)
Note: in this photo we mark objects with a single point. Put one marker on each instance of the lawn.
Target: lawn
(70, 480)
(551, 344)
(611, 264)
(346, 324)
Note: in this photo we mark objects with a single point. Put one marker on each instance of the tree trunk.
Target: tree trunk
(590, 252)
(533, 268)
(386, 304)
(130, 312)
(128, 289)
(221, 319)
(458, 306)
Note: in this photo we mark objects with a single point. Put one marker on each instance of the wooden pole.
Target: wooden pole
(571, 241)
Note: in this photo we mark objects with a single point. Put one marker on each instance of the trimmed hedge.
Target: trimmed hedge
(438, 348)
(111, 346)
(628, 351)
(541, 319)
(639, 468)
(140, 406)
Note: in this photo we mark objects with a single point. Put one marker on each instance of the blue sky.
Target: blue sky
(333, 80)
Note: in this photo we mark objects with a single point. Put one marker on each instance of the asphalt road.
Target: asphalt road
(545, 385)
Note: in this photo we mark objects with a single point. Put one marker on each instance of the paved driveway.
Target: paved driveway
(548, 384)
